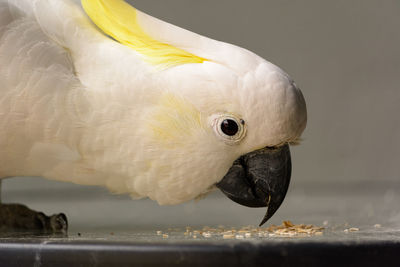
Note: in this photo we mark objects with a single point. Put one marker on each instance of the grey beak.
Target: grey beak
(259, 179)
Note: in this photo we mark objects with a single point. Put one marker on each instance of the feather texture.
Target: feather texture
(118, 19)
(78, 106)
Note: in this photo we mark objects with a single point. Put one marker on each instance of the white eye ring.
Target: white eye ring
(229, 128)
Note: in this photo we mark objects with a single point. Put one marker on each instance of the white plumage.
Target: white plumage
(76, 105)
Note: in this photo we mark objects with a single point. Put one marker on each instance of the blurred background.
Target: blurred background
(345, 56)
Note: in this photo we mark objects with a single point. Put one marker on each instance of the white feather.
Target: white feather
(78, 106)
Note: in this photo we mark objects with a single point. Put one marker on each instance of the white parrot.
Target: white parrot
(95, 92)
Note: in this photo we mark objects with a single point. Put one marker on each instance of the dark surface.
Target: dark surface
(107, 230)
(83, 253)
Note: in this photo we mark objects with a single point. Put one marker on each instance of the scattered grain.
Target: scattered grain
(207, 234)
(288, 224)
(286, 229)
(228, 236)
(289, 229)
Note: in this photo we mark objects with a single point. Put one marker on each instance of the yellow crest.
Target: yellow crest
(118, 19)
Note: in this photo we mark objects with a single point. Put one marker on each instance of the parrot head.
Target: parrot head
(222, 116)
(234, 136)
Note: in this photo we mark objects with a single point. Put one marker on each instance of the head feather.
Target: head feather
(118, 19)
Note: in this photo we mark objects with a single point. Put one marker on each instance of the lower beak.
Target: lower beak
(259, 179)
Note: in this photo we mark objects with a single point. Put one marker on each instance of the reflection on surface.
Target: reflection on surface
(95, 214)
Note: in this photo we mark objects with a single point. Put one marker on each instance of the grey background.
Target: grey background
(344, 55)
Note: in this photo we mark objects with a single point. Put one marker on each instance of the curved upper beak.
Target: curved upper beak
(259, 179)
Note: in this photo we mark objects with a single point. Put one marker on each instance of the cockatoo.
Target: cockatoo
(96, 92)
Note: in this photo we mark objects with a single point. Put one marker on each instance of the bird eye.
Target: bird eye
(229, 127)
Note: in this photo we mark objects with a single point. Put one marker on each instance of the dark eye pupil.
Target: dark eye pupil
(229, 127)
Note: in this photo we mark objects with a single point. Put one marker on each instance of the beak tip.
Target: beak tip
(262, 222)
(267, 216)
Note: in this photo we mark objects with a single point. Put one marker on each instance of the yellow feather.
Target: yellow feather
(118, 19)
(174, 120)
